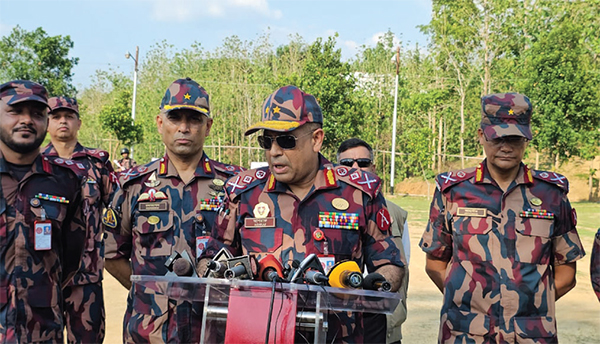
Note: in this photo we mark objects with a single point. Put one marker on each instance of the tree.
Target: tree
(117, 118)
(38, 57)
(326, 77)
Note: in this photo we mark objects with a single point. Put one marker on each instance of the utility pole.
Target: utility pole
(393, 167)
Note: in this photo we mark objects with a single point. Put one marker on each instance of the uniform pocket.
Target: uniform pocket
(155, 236)
(535, 329)
(460, 322)
(261, 240)
(471, 238)
(533, 240)
(340, 242)
(54, 211)
(43, 300)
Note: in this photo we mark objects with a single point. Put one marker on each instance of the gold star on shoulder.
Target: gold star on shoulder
(187, 96)
(276, 109)
(511, 112)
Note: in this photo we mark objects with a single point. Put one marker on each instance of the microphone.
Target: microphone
(217, 268)
(345, 274)
(302, 267)
(180, 264)
(241, 267)
(315, 277)
(270, 269)
(375, 281)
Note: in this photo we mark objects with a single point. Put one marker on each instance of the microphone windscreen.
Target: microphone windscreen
(181, 267)
(267, 265)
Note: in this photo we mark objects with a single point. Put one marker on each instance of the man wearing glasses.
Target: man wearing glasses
(299, 203)
(501, 241)
(357, 153)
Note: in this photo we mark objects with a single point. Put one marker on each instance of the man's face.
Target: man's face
(355, 153)
(503, 154)
(23, 125)
(184, 131)
(63, 125)
(125, 155)
(294, 166)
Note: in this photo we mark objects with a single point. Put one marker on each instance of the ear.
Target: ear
(480, 136)
(78, 123)
(317, 139)
(209, 123)
(159, 123)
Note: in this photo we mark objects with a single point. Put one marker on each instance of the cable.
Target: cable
(270, 312)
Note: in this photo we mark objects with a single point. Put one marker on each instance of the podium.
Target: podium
(237, 311)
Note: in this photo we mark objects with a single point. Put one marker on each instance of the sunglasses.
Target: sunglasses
(509, 140)
(362, 162)
(283, 141)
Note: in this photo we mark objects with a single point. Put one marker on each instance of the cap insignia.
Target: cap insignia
(187, 96)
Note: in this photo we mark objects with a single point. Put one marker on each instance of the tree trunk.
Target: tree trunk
(556, 161)
(537, 160)
(439, 146)
(463, 94)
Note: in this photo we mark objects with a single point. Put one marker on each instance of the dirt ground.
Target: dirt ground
(578, 312)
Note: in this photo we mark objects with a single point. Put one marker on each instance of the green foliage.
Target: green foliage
(38, 57)
(326, 77)
(117, 118)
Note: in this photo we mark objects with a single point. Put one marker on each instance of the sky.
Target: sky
(104, 30)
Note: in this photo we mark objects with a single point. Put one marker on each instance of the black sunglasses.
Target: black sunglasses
(362, 162)
(283, 141)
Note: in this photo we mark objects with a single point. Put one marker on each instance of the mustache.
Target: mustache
(28, 127)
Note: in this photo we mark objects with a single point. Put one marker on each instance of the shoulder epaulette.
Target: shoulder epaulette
(98, 154)
(246, 180)
(137, 172)
(367, 182)
(230, 170)
(552, 178)
(77, 167)
(447, 179)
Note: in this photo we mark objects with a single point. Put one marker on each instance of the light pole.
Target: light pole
(395, 58)
(135, 70)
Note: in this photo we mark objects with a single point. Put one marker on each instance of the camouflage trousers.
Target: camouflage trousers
(84, 315)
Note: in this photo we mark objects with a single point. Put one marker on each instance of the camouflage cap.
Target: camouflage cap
(67, 103)
(506, 114)
(287, 109)
(185, 94)
(18, 91)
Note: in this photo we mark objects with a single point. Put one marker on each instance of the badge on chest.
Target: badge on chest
(261, 217)
(471, 212)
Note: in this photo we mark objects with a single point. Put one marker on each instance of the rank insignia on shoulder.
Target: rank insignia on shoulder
(330, 219)
(109, 218)
(537, 214)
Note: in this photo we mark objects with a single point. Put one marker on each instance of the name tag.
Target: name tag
(153, 206)
(253, 222)
(472, 212)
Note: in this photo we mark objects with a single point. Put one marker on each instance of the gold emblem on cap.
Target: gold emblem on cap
(340, 204)
(536, 201)
(153, 220)
(218, 182)
(152, 181)
(511, 112)
(187, 96)
(261, 210)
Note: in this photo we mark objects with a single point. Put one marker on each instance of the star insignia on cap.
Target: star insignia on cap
(187, 96)
(276, 109)
(267, 110)
(511, 112)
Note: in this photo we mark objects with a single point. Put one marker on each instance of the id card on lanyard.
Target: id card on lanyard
(43, 233)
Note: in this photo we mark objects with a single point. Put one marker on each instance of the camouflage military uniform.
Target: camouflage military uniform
(156, 214)
(499, 285)
(292, 234)
(84, 300)
(30, 279)
(595, 265)
(127, 163)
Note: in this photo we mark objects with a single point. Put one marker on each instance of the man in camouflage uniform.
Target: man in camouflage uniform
(501, 241)
(595, 265)
(84, 301)
(294, 207)
(380, 328)
(42, 231)
(125, 162)
(164, 207)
